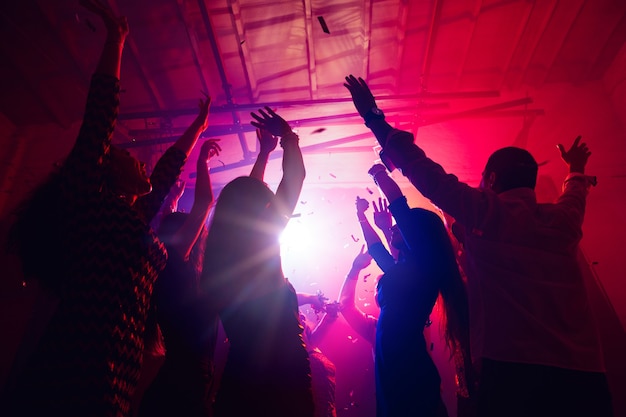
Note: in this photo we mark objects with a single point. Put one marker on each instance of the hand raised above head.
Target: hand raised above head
(117, 27)
(203, 115)
(361, 205)
(267, 141)
(382, 215)
(577, 155)
(209, 149)
(362, 97)
(271, 122)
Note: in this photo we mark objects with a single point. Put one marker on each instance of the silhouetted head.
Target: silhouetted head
(509, 168)
(125, 175)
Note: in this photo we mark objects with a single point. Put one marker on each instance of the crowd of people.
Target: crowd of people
(129, 274)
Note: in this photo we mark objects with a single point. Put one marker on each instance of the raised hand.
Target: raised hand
(267, 141)
(362, 97)
(382, 215)
(361, 205)
(209, 149)
(362, 260)
(576, 157)
(117, 27)
(271, 122)
(203, 115)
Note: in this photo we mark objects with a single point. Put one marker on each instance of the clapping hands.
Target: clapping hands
(271, 122)
(267, 141)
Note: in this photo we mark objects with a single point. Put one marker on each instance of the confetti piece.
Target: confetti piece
(310, 213)
(332, 175)
(365, 277)
(366, 304)
(242, 42)
(346, 245)
(320, 130)
(302, 202)
(356, 239)
(323, 24)
(369, 191)
(296, 215)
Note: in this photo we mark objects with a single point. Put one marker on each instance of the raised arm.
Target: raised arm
(374, 245)
(576, 185)
(186, 237)
(365, 104)
(170, 204)
(83, 166)
(290, 186)
(267, 144)
(188, 139)
(169, 167)
(383, 220)
(360, 322)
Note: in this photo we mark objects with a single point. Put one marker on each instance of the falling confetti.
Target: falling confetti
(303, 202)
(323, 24)
(356, 239)
(365, 277)
(332, 175)
(242, 42)
(320, 130)
(369, 191)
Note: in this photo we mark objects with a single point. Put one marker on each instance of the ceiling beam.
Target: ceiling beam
(193, 41)
(244, 53)
(431, 39)
(144, 74)
(310, 47)
(521, 30)
(473, 18)
(222, 72)
(228, 108)
(514, 81)
(401, 31)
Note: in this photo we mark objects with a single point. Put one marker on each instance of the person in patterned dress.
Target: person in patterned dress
(84, 236)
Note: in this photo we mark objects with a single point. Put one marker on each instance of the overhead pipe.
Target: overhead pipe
(220, 68)
(231, 107)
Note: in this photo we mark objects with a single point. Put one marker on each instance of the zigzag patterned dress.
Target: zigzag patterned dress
(88, 360)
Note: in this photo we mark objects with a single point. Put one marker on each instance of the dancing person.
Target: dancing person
(426, 269)
(103, 260)
(267, 370)
(361, 322)
(188, 322)
(323, 370)
(531, 325)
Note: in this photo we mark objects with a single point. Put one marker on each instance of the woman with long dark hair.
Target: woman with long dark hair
(407, 380)
(187, 323)
(267, 372)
